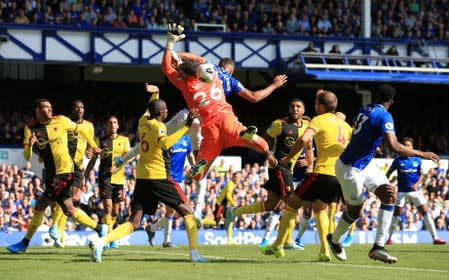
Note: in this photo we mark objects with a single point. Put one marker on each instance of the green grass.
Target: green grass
(424, 261)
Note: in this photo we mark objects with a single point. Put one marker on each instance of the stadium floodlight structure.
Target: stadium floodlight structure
(384, 68)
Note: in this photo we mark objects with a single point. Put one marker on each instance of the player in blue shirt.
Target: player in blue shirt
(179, 152)
(231, 85)
(409, 181)
(355, 170)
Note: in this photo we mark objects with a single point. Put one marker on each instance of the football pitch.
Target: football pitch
(423, 261)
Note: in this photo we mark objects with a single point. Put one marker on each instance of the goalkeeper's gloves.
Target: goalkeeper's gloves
(174, 35)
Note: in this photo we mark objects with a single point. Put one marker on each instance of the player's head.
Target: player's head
(296, 108)
(158, 109)
(112, 125)
(227, 64)
(77, 109)
(42, 109)
(325, 102)
(236, 176)
(189, 69)
(408, 142)
(384, 94)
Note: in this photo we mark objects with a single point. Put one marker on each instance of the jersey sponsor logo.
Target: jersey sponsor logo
(178, 150)
(410, 170)
(72, 136)
(389, 125)
(106, 152)
(289, 141)
(42, 143)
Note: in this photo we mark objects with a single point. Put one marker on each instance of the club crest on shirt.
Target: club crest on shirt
(389, 125)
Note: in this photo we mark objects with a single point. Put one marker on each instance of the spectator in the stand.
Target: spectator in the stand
(392, 51)
(268, 28)
(303, 25)
(324, 25)
(21, 18)
(290, 23)
(335, 50)
(310, 48)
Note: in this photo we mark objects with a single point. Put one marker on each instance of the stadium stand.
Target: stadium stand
(391, 19)
(415, 24)
(19, 188)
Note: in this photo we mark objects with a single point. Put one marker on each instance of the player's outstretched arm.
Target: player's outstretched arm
(174, 35)
(408, 152)
(153, 90)
(169, 140)
(256, 96)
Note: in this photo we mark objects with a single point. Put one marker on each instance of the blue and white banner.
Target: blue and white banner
(210, 237)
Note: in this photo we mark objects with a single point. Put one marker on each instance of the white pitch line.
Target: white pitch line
(182, 255)
(392, 267)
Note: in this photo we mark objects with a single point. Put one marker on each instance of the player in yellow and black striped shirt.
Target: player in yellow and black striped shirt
(48, 135)
(111, 184)
(282, 133)
(78, 147)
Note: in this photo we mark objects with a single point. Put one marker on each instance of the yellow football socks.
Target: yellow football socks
(36, 222)
(322, 225)
(192, 231)
(61, 227)
(331, 214)
(107, 219)
(287, 223)
(256, 207)
(119, 232)
(81, 217)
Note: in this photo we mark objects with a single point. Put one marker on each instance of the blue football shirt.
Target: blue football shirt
(409, 170)
(178, 154)
(230, 84)
(370, 125)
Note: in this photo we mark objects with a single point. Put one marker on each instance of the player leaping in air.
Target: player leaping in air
(219, 125)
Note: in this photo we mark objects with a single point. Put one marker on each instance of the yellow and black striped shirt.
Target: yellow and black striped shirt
(78, 143)
(52, 143)
(285, 133)
(111, 148)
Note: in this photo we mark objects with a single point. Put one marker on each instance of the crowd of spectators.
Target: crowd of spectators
(425, 19)
(20, 187)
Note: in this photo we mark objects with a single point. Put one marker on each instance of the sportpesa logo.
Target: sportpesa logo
(289, 141)
(72, 136)
(106, 152)
(42, 143)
